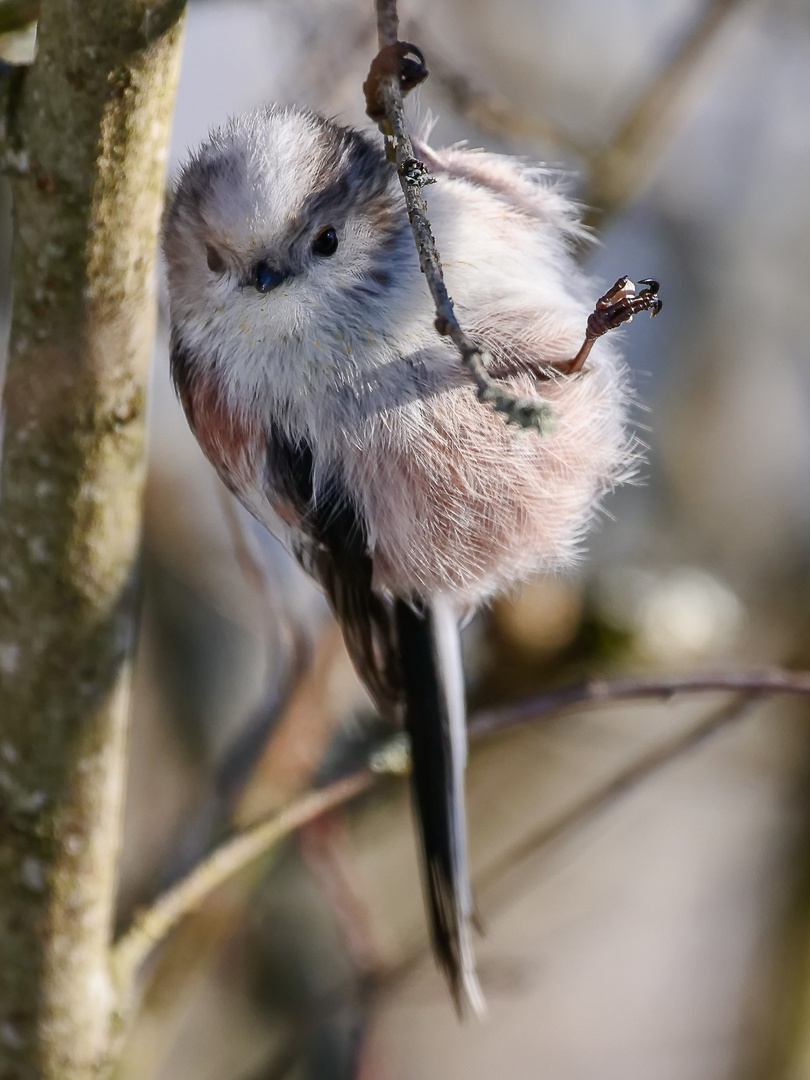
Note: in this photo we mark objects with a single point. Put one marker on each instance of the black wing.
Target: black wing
(334, 550)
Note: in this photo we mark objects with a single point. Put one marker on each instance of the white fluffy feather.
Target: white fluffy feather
(453, 500)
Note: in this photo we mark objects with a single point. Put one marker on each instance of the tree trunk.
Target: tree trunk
(90, 132)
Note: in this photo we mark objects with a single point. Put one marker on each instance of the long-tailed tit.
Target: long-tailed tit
(304, 352)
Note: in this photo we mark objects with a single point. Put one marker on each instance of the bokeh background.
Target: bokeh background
(645, 895)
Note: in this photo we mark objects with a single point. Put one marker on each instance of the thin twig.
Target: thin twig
(236, 853)
(620, 171)
(324, 693)
(621, 782)
(492, 889)
(586, 809)
(617, 172)
(154, 923)
(599, 691)
(494, 114)
(326, 850)
(248, 555)
(292, 641)
(384, 93)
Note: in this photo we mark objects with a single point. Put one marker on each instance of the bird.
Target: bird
(304, 352)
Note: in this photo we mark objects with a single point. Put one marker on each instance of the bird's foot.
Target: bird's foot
(617, 306)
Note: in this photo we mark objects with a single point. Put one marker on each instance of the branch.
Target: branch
(256, 572)
(318, 701)
(580, 813)
(623, 781)
(586, 809)
(248, 555)
(494, 114)
(583, 810)
(235, 854)
(90, 133)
(384, 101)
(227, 860)
(618, 172)
(599, 691)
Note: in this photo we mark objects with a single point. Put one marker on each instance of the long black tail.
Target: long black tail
(435, 721)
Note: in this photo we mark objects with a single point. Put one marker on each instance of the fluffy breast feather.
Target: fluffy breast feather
(458, 502)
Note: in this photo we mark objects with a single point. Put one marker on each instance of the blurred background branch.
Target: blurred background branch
(620, 172)
(237, 853)
(227, 860)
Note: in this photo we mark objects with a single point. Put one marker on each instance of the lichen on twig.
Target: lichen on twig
(396, 68)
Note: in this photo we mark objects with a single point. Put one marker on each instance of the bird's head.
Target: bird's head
(280, 235)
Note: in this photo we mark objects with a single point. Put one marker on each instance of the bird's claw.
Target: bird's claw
(402, 61)
(621, 303)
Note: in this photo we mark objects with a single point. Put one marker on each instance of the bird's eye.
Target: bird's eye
(216, 264)
(326, 242)
(265, 278)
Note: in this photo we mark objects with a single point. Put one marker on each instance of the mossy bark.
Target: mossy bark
(90, 133)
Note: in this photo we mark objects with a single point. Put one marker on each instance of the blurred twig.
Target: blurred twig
(275, 622)
(599, 690)
(239, 851)
(153, 924)
(593, 803)
(616, 173)
(326, 849)
(620, 171)
(322, 696)
(494, 114)
(574, 816)
(319, 699)
(249, 558)
(622, 782)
